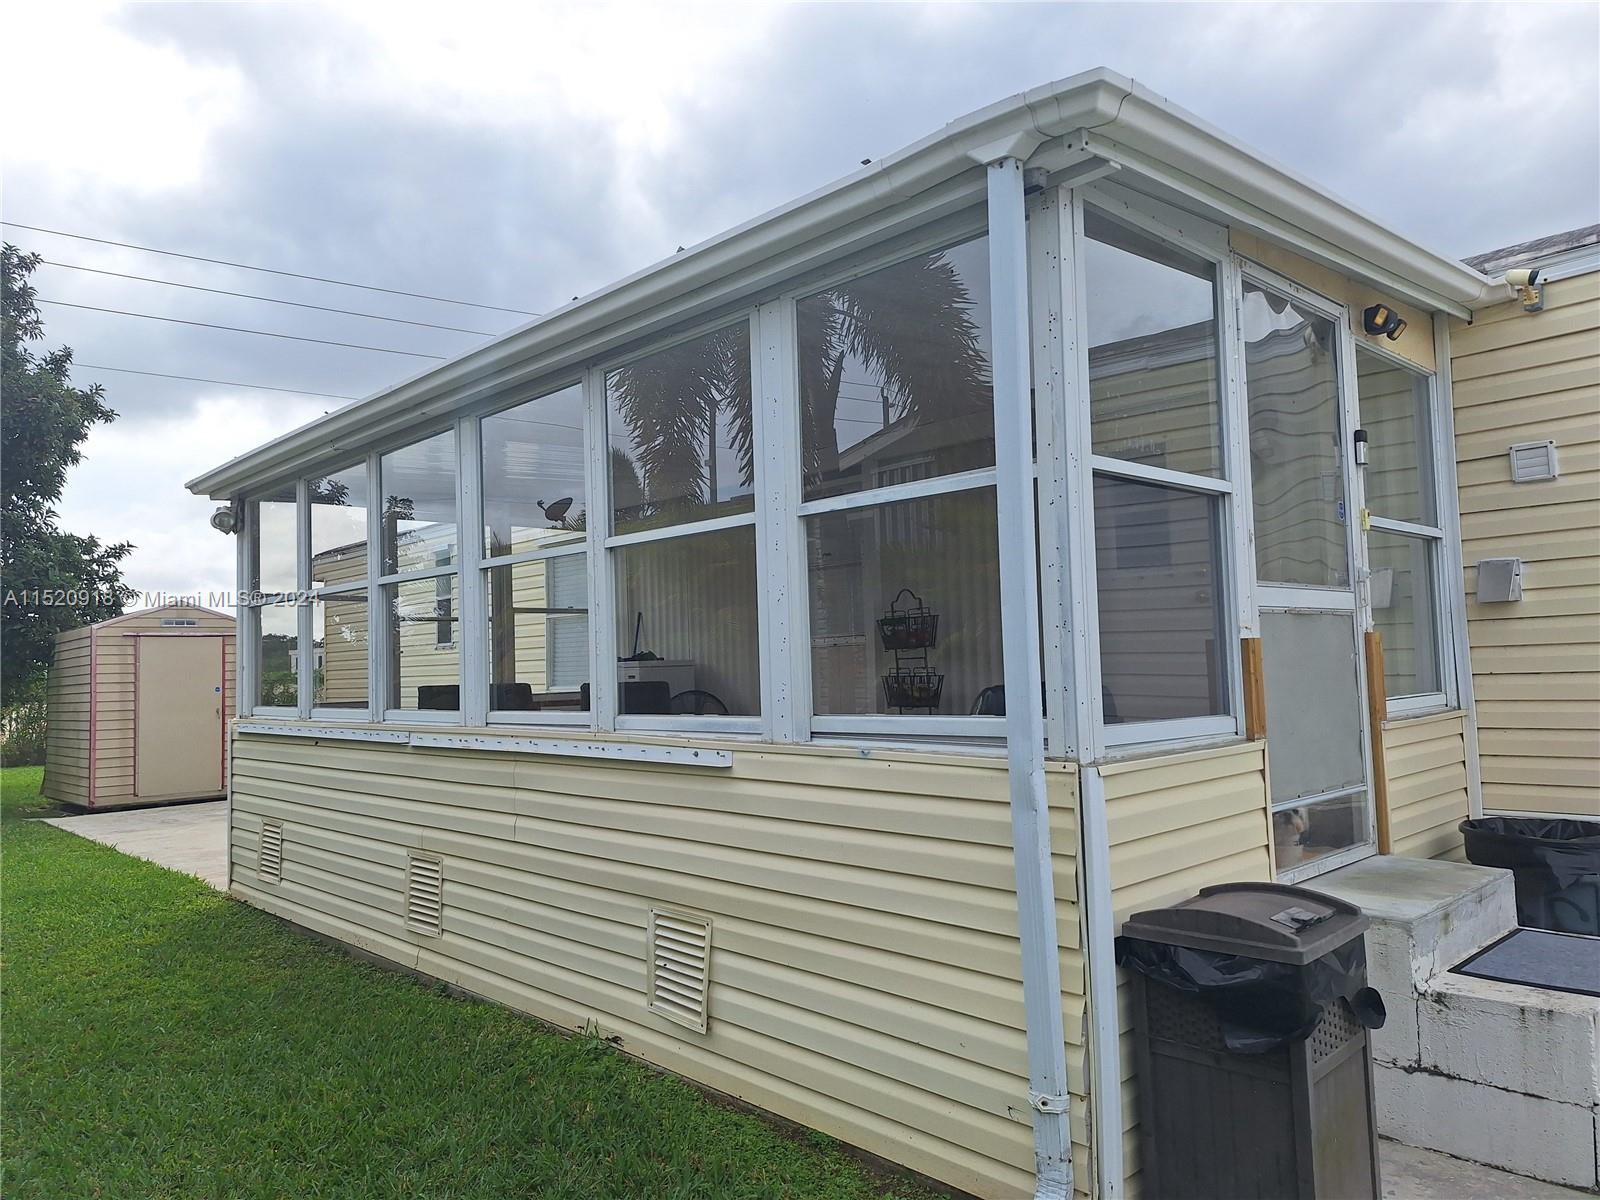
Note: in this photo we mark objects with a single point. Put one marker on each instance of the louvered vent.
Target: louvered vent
(680, 966)
(269, 854)
(424, 896)
(1532, 462)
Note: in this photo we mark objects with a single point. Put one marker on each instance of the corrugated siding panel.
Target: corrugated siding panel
(865, 975)
(1522, 377)
(66, 760)
(1177, 823)
(1426, 760)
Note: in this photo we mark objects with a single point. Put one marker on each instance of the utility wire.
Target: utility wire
(223, 262)
(292, 337)
(195, 287)
(259, 387)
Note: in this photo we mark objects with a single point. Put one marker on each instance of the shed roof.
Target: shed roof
(1166, 151)
(170, 608)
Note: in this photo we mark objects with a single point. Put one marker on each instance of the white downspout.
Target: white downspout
(1019, 605)
(1449, 502)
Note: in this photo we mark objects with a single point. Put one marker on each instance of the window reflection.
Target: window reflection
(339, 527)
(1296, 459)
(539, 635)
(339, 644)
(533, 487)
(419, 503)
(1153, 378)
(1160, 585)
(1395, 414)
(272, 542)
(680, 427)
(894, 374)
(1404, 607)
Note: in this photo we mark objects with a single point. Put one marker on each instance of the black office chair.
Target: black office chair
(991, 702)
(698, 703)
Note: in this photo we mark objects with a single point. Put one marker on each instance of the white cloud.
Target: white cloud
(107, 105)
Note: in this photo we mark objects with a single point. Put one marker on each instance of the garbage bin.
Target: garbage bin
(1554, 864)
(1255, 1074)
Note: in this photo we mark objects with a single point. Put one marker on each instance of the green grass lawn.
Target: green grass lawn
(161, 1040)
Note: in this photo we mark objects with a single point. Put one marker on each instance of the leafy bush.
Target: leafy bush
(22, 728)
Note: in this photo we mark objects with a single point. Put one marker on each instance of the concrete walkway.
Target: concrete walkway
(1412, 1174)
(192, 838)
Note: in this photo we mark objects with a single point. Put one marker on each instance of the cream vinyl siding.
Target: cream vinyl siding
(1523, 377)
(865, 972)
(1177, 823)
(1426, 759)
(66, 752)
(112, 647)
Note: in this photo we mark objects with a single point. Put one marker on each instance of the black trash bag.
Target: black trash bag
(1262, 1006)
(1554, 862)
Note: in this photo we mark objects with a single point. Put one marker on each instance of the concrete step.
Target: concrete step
(1497, 1073)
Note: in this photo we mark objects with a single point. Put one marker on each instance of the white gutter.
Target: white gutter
(1048, 1094)
(735, 264)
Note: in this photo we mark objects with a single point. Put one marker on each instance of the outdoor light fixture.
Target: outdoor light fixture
(225, 520)
(1524, 284)
(1381, 319)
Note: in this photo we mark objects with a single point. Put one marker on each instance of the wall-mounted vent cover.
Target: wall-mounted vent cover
(1532, 462)
(1499, 580)
(424, 895)
(680, 966)
(269, 853)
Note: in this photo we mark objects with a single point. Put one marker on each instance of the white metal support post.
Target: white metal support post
(379, 660)
(1019, 606)
(305, 630)
(472, 637)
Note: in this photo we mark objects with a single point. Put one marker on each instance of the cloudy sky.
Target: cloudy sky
(517, 156)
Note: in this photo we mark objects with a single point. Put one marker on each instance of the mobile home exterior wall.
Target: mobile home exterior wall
(1526, 377)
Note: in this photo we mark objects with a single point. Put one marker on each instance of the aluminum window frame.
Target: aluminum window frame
(801, 721)
(383, 668)
(1230, 491)
(1447, 609)
(604, 692)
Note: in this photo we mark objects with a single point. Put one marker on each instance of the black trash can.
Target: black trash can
(1554, 864)
(1255, 1072)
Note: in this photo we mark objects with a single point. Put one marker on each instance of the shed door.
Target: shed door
(178, 722)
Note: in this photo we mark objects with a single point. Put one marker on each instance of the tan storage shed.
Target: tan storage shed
(139, 707)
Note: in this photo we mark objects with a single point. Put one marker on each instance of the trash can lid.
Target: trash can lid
(1273, 921)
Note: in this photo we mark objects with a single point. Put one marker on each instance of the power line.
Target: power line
(223, 262)
(292, 337)
(195, 287)
(260, 387)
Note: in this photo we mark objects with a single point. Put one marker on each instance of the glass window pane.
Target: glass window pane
(686, 625)
(894, 374)
(339, 527)
(1405, 612)
(680, 428)
(533, 474)
(905, 608)
(1314, 704)
(1395, 412)
(419, 502)
(339, 640)
(1153, 377)
(1307, 832)
(1296, 444)
(539, 635)
(273, 543)
(1162, 655)
(277, 657)
(424, 619)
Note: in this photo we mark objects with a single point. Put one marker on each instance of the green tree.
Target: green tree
(50, 580)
